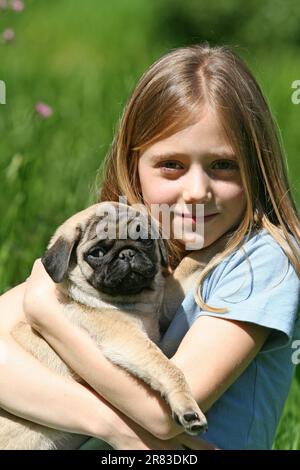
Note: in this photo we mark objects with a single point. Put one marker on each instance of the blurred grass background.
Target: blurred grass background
(83, 59)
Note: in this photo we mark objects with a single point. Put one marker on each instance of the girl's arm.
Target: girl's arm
(201, 356)
(30, 390)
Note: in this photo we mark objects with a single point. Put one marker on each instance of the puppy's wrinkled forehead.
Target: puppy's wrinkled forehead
(116, 223)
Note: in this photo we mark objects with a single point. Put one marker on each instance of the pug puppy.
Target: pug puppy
(112, 287)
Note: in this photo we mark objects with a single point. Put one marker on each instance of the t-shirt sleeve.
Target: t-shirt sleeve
(259, 285)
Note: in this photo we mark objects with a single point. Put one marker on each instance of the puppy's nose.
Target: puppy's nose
(128, 253)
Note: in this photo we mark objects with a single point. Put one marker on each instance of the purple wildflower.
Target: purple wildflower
(8, 35)
(17, 5)
(43, 110)
(3, 4)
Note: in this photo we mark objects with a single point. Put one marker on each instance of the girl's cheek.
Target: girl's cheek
(156, 193)
(228, 191)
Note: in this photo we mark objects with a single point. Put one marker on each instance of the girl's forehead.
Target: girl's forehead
(205, 136)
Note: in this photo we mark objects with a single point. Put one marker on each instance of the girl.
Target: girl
(196, 130)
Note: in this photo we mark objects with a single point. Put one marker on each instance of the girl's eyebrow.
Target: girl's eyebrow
(159, 156)
(218, 154)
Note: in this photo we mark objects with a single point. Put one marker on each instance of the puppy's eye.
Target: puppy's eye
(146, 241)
(97, 253)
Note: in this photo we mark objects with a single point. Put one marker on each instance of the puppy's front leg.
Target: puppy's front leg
(123, 342)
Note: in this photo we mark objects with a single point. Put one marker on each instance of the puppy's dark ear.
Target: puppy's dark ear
(57, 258)
(163, 253)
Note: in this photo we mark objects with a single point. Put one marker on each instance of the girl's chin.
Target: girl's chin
(192, 242)
(198, 243)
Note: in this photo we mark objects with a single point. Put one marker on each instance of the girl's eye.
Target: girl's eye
(171, 166)
(225, 165)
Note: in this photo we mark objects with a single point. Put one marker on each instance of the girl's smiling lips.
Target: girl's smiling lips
(206, 218)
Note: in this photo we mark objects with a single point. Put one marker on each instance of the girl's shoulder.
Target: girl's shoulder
(259, 271)
(262, 237)
(258, 284)
(260, 250)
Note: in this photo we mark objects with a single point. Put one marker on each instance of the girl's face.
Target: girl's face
(195, 166)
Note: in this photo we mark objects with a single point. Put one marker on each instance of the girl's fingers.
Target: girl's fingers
(39, 284)
(39, 275)
(37, 269)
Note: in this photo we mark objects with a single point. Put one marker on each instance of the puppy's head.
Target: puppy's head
(110, 248)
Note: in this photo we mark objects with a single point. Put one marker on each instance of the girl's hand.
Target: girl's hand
(40, 302)
(140, 439)
(125, 434)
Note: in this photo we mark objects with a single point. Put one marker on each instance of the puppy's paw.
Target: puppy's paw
(186, 413)
(192, 421)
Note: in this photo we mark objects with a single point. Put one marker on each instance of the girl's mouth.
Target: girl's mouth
(206, 218)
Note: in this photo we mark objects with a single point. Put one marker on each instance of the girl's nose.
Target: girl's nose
(197, 185)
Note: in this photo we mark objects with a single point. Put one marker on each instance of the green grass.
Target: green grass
(288, 432)
(83, 59)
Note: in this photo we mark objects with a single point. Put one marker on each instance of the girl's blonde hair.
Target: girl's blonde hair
(168, 98)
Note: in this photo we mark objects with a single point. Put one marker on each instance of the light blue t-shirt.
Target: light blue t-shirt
(265, 292)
